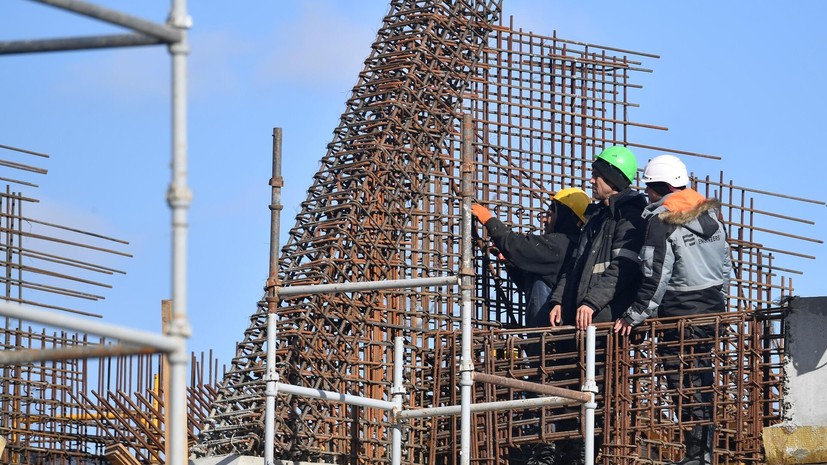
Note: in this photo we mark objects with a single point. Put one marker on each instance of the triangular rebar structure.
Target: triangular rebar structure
(385, 204)
(363, 220)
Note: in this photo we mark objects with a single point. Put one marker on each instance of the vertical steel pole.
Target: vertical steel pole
(397, 392)
(271, 375)
(179, 198)
(466, 367)
(590, 386)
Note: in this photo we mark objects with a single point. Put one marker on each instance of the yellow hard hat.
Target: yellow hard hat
(576, 199)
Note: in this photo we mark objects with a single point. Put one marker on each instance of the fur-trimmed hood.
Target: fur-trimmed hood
(689, 209)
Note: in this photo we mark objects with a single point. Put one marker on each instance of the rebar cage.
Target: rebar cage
(385, 204)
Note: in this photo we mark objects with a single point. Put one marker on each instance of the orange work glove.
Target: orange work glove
(481, 213)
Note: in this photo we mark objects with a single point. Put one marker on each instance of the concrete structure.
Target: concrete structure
(806, 361)
(802, 437)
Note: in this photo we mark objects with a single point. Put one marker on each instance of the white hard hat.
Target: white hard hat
(666, 168)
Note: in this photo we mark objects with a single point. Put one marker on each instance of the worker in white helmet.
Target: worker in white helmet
(685, 262)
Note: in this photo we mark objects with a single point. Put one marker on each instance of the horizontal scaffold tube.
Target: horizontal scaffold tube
(334, 396)
(21, 356)
(578, 396)
(485, 407)
(366, 286)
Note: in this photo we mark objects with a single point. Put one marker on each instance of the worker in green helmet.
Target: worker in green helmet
(600, 281)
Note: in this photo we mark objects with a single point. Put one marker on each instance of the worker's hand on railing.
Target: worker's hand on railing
(555, 317)
(584, 316)
(481, 213)
(622, 327)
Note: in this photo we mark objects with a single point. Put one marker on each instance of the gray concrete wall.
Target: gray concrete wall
(806, 363)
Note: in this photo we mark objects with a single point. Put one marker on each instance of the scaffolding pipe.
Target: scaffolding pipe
(309, 289)
(21, 356)
(76, 43)
(516, 404)
(271, 375)
(348, 399)
(397, 392)
(577, 396)
(466, 367)
(171, 33)
(179, 198)
(590, 387)
(61, 320)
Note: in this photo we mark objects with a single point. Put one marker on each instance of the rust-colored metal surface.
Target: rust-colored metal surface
(382, 206)
(637, 412)
(70, 411)
(385, 204)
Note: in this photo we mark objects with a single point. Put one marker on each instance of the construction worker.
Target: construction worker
(599, 282)
(686, 266)
(533, 261)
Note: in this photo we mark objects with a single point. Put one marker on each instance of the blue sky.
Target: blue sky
(742, 80)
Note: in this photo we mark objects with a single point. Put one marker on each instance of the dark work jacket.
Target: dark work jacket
(534, 264)
(604, 272)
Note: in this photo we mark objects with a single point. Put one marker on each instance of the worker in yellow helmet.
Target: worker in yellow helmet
(533, 261)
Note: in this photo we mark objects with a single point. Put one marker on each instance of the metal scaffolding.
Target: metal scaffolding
(386, 205)
(173, 343)
(68, 397)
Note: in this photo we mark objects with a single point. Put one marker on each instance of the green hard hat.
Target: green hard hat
(621, 158)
